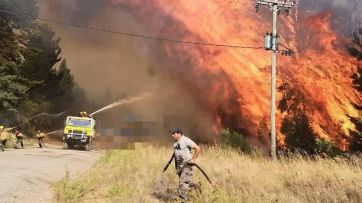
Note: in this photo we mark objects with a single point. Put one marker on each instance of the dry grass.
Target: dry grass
(135, 176)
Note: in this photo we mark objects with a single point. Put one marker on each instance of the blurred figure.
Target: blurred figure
(3, 137)
(19, 138)
(40, 135)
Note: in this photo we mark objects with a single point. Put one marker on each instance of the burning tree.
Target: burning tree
(356, 51)
(296, 127)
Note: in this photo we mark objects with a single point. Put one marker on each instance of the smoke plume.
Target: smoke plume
(205, 88)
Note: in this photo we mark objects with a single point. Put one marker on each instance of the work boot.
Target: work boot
(196, 186)
(183, 194)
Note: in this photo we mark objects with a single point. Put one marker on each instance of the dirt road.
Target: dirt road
(26, 175)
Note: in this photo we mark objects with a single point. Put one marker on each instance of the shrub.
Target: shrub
(322, 146)
(234, 140)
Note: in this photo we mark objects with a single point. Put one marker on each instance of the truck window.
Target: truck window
(79, 122)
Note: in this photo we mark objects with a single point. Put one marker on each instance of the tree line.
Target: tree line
(33, 76)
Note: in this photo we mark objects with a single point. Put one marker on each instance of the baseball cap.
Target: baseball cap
(175, 130)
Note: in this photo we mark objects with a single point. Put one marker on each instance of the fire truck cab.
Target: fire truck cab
(79, 131)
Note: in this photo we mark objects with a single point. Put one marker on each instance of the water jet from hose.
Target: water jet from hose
(121, 102)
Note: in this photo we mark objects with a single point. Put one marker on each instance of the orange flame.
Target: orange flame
(238, 84)
(324, 70)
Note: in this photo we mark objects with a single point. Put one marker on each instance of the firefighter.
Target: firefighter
(19, 138)
(184, 160)
(83, 114)
(40, 135)
(3, 137)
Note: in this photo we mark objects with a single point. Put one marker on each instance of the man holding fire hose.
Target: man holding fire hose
(40, 135)
(184, 161)
(19, 139)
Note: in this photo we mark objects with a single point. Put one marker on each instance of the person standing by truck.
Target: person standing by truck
(40, 135)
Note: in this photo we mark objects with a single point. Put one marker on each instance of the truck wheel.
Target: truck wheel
(67, 146)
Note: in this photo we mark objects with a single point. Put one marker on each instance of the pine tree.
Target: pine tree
(30, 83)
(14, 87)
(296, 126)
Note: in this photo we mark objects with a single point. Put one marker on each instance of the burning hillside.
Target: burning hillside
(232, 85)
(232, 82)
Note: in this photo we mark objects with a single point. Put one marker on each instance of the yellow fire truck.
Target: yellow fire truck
(79, 131)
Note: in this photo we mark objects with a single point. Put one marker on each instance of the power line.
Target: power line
(134, 34)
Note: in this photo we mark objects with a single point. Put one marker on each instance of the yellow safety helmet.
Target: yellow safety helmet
(83, 114)
(1, 127)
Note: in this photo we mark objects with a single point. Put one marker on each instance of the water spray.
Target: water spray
(121, 102)
(54, 132)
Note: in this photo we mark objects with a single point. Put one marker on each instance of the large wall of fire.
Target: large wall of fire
(231, 86)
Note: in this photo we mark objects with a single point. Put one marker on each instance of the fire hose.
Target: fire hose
(187, 164)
